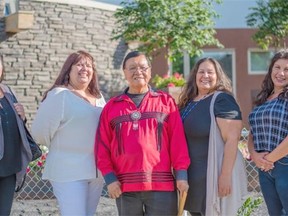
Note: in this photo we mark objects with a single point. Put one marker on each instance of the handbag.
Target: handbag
(34, 147)
(35, 150)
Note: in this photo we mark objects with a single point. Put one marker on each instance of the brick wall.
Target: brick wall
(33, 58)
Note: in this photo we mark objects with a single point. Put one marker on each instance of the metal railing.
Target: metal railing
(36, 188)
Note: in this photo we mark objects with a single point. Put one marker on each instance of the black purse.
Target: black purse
(34, 147)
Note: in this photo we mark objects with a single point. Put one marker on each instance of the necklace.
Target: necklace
(190, 107)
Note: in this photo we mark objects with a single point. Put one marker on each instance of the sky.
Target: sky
(232, 12)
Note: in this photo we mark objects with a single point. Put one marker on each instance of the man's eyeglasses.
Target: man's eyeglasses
(135, 69)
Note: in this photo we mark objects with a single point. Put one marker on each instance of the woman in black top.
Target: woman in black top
(14, 155)
(205, 79)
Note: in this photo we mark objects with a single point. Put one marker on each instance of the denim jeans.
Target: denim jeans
(146, 203)
(274, 186)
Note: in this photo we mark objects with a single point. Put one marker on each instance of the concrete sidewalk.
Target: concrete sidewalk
(106, 207)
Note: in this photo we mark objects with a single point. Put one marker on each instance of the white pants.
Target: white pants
(78, 198)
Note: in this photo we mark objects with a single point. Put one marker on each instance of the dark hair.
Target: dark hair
(3, 69)
(134, 54)
(267, 86)
(63, 77)
(190, 89)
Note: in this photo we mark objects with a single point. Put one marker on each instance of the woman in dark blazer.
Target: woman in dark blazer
(15, 153)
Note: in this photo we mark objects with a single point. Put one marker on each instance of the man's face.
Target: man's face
(137, 72)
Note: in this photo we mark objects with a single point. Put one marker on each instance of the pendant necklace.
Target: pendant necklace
(190, 107)
(135, 116)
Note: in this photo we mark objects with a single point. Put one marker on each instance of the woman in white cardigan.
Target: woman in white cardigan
(66, 122)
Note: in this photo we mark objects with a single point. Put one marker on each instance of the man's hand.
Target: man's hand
(182, 185)
(114, 189)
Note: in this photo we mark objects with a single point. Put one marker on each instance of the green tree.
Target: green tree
(176, 25)
(271, 18)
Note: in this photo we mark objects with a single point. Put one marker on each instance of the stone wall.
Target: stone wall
(33, 58)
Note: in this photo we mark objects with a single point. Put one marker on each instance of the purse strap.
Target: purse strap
(13, 95)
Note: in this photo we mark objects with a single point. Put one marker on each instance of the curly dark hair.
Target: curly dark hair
(267, 87)
(63, 77)
(190, 90)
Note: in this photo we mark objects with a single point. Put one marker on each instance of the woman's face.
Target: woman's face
(279, 74)
(206, 77)
(81, 73)
(137, 72)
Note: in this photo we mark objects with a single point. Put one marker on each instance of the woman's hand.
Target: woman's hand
(224, 185)
(20, 110)
(279, 152)
(261, 162)
(114, 189)
(230, 130)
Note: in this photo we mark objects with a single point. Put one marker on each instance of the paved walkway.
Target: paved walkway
(106, 207)
(48, 207)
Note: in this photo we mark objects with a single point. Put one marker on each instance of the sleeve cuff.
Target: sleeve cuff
(110, 177)
(181, 175)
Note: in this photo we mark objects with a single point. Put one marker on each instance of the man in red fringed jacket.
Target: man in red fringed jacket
(140, 145)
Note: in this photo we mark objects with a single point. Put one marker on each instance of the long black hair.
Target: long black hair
(64, 76)
(267, 86)
(190, 90)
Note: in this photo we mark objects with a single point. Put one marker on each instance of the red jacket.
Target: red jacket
(139, 146)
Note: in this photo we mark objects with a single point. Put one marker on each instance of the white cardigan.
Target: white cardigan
(67, 124)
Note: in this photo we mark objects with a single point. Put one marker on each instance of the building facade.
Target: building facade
(34, 54)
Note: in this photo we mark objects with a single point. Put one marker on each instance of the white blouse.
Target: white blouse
(67, 124)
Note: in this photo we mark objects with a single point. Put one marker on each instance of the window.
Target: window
(11, 6)
(224, 57)
(178, 65)
(7, 9)
(258, 61)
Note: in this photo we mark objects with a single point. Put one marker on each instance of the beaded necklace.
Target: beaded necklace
(190, 107)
